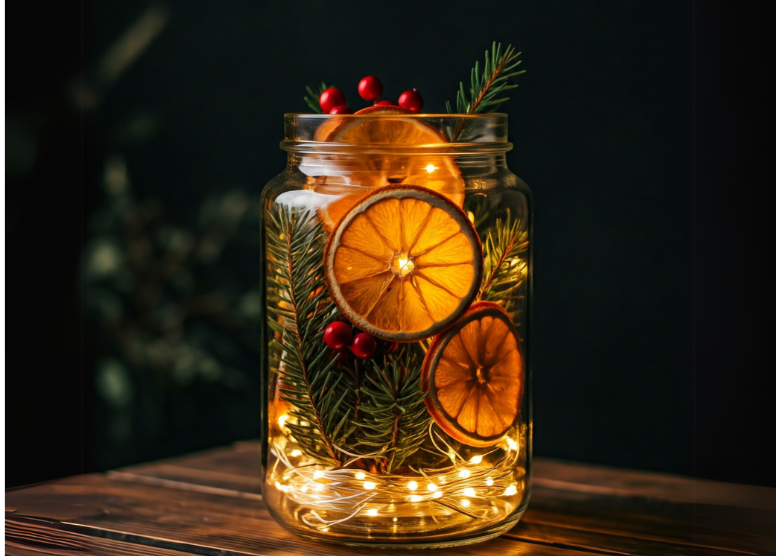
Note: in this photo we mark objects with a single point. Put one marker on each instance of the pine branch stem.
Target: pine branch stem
(385, 463)
(357, 381)
(305, 374)
(458, 130)
(495, 268)
(476, 102)
(488, 85)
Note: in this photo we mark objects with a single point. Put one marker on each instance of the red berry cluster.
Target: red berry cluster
(339, 337)
(332, 100)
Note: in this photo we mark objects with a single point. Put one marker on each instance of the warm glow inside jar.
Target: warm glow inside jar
(397, 281)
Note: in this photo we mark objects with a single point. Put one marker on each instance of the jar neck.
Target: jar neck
(372, 150)
(315, 164)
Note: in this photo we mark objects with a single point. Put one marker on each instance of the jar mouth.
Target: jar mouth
(405, 134)
(421, 116)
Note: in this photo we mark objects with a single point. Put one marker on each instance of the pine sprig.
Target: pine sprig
(487, 84)
(395, 419)
(319, 394)
(503, 262)
(312, 96)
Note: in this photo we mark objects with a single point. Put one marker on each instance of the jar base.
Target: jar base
(426, 527)
(482, 536)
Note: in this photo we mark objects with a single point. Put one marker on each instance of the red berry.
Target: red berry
(385, 102)
(341, 110)
(370, 88)
(411, 100)
(391, 347)
(331, 98)
(337, 335)
(363, 345)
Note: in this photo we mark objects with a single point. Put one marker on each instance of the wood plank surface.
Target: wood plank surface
(577, 502)
(33, 537)
(598, 479)
(210, 503)
(189, 520)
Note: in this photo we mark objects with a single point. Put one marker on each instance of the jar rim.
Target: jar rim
(482, 134)
(423, 115)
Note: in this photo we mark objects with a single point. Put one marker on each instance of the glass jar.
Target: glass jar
(397, 291)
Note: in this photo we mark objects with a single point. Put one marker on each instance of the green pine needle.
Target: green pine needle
(312, 96)
(504, 262)
(394, 419)
(488, 84)
(321, 396)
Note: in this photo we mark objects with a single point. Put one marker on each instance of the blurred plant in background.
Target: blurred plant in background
(172, 321)
(168, 275)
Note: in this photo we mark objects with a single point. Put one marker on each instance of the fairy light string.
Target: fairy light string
(336, 495)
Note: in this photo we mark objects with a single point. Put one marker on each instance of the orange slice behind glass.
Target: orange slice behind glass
(404, 263)
(473, 373)
(350, 180)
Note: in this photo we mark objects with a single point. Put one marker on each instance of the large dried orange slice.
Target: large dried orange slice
(404, 263)
(473, 373)
(350, 179)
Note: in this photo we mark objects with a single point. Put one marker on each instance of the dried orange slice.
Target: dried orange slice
(473, 373)
(349, 180)
(404, 263)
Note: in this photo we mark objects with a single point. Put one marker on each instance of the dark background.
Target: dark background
(139, 136)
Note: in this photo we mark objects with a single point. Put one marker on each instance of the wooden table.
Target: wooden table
(210, 503)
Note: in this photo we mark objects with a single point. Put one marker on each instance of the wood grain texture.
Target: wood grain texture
(33, 537)
(188, 520)
(597, 479)
(210, 503)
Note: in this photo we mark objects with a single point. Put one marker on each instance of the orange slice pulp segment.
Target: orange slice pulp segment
(404, 263)
(473, 373)
(350, 180)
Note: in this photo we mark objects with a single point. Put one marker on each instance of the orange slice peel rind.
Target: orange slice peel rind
(474, 378)
(404, 264)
